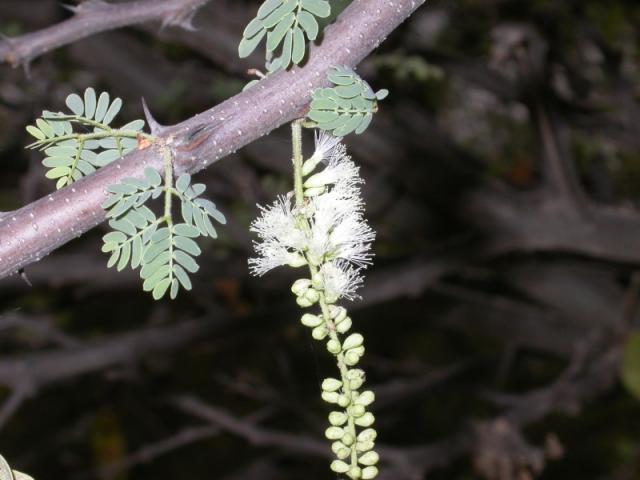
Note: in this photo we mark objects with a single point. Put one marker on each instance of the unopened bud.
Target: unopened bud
(369, 473)
(314, 192)
(331, 384)
(338, 418)
(339, 466)
(366, 398)
(344, 326)
(334, 346)
(369, 458)
(334, 433)
(309, 320)
(320, 332)
(300, 286)
(330, 397)
(353, 341)
(365, 420)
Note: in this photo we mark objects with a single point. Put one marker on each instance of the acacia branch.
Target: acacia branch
(28, 234)
(95, 16)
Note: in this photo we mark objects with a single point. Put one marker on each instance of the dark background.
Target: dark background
(502, 173)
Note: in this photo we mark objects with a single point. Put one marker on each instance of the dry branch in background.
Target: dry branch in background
(95, 16)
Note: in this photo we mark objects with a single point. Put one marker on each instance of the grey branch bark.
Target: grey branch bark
(95, 16)
(28, 234)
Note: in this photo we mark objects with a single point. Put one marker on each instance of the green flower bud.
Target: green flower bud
(364, 446)
(337, 313)
(310, 165)
(356, 378)
(314, 192)
(341, 450)
(316, 180)
(369, 458)
(320, 332)
(369, 473)
(353, 341)
(348, 439)
(356, 411)
(312, 295)
(330, 397)
(331, 297)
(365, 420)
(344, 326)
(339, 466)
(331, 384)
(334, 346)
(351, 358)
(334, 433)
(300, 286)
(366, 398)
(303, 302)
(359, 350)
(297, 261)
(355, 473)
(309, 320)
(344, 401)
(337, 418)
(317, 281)
(367, 435)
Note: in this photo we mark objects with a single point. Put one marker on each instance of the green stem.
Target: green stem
(296, 140)
(168, 197)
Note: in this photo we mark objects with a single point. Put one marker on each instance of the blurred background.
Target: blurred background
(500, 316)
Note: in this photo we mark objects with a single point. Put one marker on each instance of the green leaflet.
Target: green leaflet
(287, 25)
(347, 107)
(70, 154)
(165, 251)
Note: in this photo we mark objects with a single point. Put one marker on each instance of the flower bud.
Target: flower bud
(337, 418)
(337, 313)
(353, 341)
(339, 466)
(334, 346)
(365, 420)
(344, 401)
(296, 260)
(348, 439)
(312, 295)
(317, 281)
(356, 410)
(341, 450)
(369, 458)
(362, 447)
(330, 397)
(300, 286)
(331, 297)
(358, 350)
(366, 398)
(331, 384)
(320, 332)
(309, 320)
(355, 473)
(317, 180)
(310, 165)
(369, 473)
(334, 433)
(367, 435)
(344, 326)
(351, 358)
(303, 302)
(314, 192)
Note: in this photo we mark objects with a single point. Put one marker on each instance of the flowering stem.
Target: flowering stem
(296, 137)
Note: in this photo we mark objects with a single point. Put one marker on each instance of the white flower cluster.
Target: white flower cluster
(335, 236)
